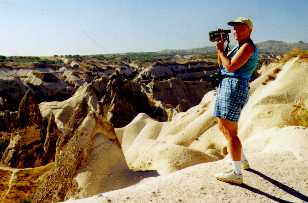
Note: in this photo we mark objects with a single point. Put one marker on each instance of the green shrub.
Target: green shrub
(2, 58)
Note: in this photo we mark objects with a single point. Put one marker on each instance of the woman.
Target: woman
(232, 93)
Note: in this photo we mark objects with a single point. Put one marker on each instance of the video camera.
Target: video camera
(218, 34)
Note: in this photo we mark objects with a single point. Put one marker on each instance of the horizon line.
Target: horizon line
(152, 51)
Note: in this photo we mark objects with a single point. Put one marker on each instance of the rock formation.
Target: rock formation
(180, 94)
(11, 92)
(185, 71)
(75, 157)
(96, 149)
(123, 100)
(47, 86)
(110, 97)
(272, 127)
(88, 151)
(31, 140)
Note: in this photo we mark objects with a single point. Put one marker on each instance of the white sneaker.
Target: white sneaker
(230, 177)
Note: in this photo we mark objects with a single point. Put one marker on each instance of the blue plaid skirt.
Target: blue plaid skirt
(232, 95)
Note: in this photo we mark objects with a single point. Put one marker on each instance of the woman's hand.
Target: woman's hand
(220, 45)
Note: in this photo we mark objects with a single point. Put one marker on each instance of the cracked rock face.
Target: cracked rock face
(74, 156)
(31, 139)
(123, 100)
(185, 71)
(88, 150)
(180, 94)
(11, 92)
(47, 86)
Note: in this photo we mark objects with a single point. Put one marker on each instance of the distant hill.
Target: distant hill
(280, 47)
(201, 50)
(269, 46)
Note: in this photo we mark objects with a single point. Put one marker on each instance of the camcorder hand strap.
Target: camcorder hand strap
(227, 47)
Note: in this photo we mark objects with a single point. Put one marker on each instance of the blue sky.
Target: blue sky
(48, 27)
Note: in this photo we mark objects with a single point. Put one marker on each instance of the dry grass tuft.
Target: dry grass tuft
(269, 78)
(276, 70)
(299, 114)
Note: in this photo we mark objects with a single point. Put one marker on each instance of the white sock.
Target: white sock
(237, 167)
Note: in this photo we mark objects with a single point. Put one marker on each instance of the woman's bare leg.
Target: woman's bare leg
(229, 130)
